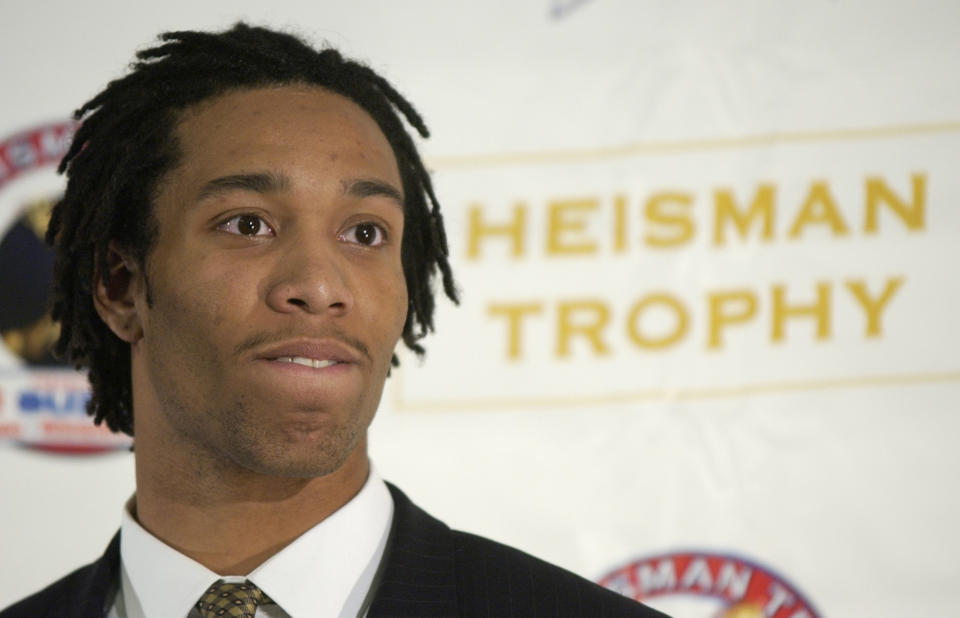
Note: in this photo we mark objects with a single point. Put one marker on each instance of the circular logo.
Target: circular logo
(42, 400)
(716, 585)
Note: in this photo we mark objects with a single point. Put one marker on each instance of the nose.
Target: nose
(310, 277)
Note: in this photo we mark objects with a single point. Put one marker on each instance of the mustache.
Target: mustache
(267, 337)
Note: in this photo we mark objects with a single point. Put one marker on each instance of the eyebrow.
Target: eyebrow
(369, 187)
(268, 182)
(261, 182)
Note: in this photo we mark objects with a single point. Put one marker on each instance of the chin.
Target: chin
(299, 469)
(300, 455)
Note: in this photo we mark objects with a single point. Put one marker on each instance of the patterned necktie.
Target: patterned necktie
(235, 600)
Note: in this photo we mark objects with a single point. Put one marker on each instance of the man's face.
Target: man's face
(276, 283)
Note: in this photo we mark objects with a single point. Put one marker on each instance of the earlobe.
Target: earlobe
(114, 296)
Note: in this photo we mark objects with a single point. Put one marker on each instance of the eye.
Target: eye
(246, 225)
(366, 234)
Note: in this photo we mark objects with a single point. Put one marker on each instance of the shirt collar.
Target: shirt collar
(326, 571)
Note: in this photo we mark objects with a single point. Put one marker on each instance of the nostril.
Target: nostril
(299, 292)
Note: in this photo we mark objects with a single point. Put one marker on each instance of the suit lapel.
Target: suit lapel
(97, 583)
(417, 574)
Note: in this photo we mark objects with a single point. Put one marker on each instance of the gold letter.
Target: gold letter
(819, 195)
(656, 211)
(663, 341)
(566, 329)
(819, 311)
(561, 217)
(620, 224)
(514, 315)
(912, 215)
(873, 307)
(513, 230)
(726, 210)
(720, 318)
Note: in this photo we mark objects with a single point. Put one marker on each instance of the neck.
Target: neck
(231, 520)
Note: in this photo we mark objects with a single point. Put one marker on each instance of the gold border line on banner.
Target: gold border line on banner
(655, 395)
(444, 162)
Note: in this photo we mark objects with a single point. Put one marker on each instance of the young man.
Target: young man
(247, 233)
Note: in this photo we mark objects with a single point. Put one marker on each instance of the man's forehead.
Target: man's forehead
(243, 129)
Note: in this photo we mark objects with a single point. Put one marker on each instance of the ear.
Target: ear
(115, 300)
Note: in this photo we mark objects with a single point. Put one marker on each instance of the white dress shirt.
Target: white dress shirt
(326, 571)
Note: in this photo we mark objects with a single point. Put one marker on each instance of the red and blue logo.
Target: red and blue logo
(42, 400)
(720, 585)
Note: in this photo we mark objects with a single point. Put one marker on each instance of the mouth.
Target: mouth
(306, 362)
(311, 353)
(309, 373)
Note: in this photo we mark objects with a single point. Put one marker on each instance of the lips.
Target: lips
(317, 354)
(306, 362)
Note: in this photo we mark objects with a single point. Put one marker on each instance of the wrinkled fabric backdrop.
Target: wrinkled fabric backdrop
(706, 352)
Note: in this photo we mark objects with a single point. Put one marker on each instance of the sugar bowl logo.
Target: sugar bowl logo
(42, 400)
(711, 584)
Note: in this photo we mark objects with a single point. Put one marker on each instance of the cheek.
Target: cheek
(389, 304)
(402, 301)
(195, 295)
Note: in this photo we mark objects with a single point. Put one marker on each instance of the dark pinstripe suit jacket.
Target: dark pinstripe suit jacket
(428, 571)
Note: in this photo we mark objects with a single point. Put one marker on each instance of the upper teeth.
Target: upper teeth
(306, 362)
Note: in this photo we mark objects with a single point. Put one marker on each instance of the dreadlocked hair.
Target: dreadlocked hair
(126, 143)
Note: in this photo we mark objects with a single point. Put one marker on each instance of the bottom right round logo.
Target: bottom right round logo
(710, 585)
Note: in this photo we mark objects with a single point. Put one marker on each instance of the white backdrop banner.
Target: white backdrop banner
(706, 353)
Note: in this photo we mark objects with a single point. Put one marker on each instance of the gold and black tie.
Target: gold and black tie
(235, 600)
